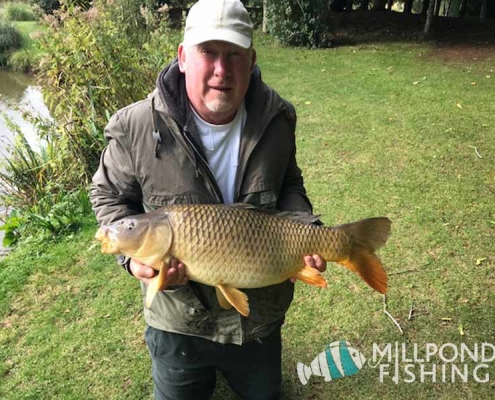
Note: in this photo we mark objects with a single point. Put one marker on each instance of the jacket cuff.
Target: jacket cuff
(125, 262)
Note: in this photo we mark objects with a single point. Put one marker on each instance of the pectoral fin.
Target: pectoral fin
(156, 284)
(234, 297)
(224, 303)
(311, 276)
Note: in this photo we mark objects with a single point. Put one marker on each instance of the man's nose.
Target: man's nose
(222, 67)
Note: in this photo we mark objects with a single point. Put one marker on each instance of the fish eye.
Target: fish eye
(130, 226)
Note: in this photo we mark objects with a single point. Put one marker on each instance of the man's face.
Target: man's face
(217, 78)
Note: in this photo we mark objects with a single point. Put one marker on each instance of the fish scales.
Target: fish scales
(246, 249)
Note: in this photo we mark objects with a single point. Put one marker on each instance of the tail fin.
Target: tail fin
(304, 372)
(366, 237)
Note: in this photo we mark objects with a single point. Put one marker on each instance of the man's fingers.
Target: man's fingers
(140, 270)
(310, 261)
(320, 263)
(181, 274)
(176, 274)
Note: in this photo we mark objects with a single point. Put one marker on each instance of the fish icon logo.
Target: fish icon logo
(337, 361)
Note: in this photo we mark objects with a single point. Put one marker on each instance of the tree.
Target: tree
(425, 6)
(408, 6)
(484, 10)
(264, 25)
(379, 5)
(429, 17)
(299, 22)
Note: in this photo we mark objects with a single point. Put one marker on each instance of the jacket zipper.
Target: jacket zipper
(209, 177)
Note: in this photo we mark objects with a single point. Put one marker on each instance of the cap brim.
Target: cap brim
(224, 35)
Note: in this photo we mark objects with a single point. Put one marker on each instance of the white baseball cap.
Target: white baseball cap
(225, 20)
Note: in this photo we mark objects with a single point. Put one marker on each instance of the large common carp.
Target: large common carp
(234, 247)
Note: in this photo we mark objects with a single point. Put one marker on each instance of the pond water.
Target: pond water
(18, 89)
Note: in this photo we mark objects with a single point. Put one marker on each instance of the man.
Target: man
(211, 132)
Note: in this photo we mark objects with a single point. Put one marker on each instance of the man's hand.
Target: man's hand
(314, 261)
(176, 273)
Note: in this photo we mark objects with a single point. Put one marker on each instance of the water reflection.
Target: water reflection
(19, 89)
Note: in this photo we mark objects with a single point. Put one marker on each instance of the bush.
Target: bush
(18, 12)
(48, 6)
(10, 37)
(23, 61)
(299, 22)
(94, 63)
(93, 67)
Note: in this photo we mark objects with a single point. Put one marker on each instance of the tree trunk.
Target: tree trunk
(484, 10)
(424, 7)
(348, 5)
(438, 3)
(408, 6)
(447, 8)
(364, 4)
(264, 24)
(379, 5)
(429, 16)
(390, 4)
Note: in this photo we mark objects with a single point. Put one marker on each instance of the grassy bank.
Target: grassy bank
(390, 129)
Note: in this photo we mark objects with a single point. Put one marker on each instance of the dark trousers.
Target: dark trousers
(184, 367)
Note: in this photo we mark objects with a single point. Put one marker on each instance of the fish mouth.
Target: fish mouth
(107, 246)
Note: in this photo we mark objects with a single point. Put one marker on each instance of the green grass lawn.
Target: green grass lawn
(383, 130)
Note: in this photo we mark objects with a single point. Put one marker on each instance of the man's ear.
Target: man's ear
(253, 59)
(181, 52)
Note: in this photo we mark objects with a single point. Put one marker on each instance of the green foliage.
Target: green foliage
(12, 227)
(18, 12)
(10, 39)
(94, 66)
(23, 60)
(48, 6)
(299, 22)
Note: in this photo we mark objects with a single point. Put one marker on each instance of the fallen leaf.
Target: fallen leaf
(473, 83)
(461, 330)
(459, 105)
(479, 261)
(446, 319)
(415, 83)
(307, 103)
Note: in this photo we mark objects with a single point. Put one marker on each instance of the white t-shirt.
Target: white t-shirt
(221, 144)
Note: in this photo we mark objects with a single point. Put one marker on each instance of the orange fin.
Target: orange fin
(311, 276)
(236, 298)
(368, 266)
(157, 283)
(367, 236)
(224, 303)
